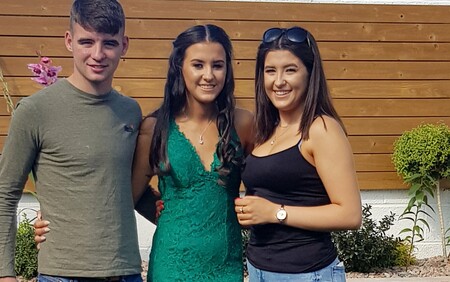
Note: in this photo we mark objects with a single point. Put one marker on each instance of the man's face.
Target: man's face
(96, 57)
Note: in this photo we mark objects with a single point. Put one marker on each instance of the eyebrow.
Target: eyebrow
(285, 66)
(113, 41)
(202, 61)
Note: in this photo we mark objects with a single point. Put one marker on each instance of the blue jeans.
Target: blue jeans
(125, 278)
(335, 272)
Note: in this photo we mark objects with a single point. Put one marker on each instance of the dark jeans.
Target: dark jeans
(126, 278)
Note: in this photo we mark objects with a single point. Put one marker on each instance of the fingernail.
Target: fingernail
(43, 238)
(46, 222)
(46, 229)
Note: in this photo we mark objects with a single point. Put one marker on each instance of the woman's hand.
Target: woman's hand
(40, 229)
(252, 210)
(159, 209)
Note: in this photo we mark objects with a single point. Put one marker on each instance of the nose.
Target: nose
(208, 75)
(280, 81)
(98, 53)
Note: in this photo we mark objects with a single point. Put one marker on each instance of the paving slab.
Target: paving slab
(411, 279)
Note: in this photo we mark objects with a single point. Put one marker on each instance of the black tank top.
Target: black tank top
(287, 178)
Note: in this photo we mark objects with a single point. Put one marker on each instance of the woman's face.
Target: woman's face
(285, 80)
(204, 71)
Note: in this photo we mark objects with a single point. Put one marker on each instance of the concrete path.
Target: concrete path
(413, 279)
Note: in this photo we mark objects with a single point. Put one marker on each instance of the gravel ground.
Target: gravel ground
(430, 267)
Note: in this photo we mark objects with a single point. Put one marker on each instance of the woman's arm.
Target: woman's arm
(329, 151)
(244, 128)
(142, 172)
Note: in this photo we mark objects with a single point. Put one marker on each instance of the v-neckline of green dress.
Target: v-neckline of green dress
(214, 162)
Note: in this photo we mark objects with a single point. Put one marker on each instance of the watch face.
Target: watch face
(281, 214)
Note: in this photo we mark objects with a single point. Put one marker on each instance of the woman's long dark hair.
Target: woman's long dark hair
(175, 101)
(317, 99)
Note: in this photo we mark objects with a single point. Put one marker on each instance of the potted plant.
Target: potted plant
(422, 158)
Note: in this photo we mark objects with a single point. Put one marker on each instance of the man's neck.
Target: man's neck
(93, 88)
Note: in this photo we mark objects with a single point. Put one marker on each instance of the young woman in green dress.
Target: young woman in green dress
(195, 143)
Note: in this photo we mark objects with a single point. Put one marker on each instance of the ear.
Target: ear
(125, 44)
(68, 41)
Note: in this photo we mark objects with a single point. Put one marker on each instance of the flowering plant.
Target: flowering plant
(44, 73)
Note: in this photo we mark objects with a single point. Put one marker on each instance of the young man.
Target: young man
(78, 137)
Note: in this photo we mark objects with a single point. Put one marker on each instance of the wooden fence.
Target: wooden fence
(388, 67)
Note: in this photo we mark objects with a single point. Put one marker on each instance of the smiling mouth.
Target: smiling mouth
(97, 67)
(281, 92)
(207, 87)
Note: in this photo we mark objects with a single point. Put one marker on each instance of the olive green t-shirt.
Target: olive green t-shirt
(80, 148)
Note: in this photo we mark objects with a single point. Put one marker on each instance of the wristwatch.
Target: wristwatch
(281, 214)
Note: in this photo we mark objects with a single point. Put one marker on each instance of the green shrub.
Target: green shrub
(403, 255)
(26, 251)
(368, 248)
(424, 151)
(422, 157)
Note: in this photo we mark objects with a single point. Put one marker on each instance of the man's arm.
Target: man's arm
(17, 158)
(146, 205)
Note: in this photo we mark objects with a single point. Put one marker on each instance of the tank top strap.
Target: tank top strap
(299, 143)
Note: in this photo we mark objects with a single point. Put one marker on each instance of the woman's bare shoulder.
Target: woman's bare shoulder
(243, 119)
(147, 125)
(324, 125)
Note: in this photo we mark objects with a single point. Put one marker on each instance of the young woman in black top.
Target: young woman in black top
(300, 178)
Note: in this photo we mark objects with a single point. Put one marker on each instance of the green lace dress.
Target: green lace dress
(198, 237)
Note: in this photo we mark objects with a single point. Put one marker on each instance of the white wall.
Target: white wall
(385, 201)
(382, 203)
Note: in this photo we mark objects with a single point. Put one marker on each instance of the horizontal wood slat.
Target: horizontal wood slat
(380, 180)
(367, 126)
(387, 126)
(373, 162)
(393, 107)
(360, 144)
(240, 30)
(160, 49)
(245, 69)
(250, 11)
(390, 89)
(345, 107)
(361, 89)
(372, 144)
(366, 181)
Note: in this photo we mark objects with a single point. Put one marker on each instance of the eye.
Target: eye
(291, 70)
(197, 65)
(269, 70)
(111, 44)
(85, 42)
(218, 66)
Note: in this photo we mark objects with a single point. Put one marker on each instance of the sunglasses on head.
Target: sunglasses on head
(293, 34)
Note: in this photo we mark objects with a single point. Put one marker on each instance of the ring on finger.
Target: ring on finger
(241, 210)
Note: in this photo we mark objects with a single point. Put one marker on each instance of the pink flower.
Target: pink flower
(44, 73)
